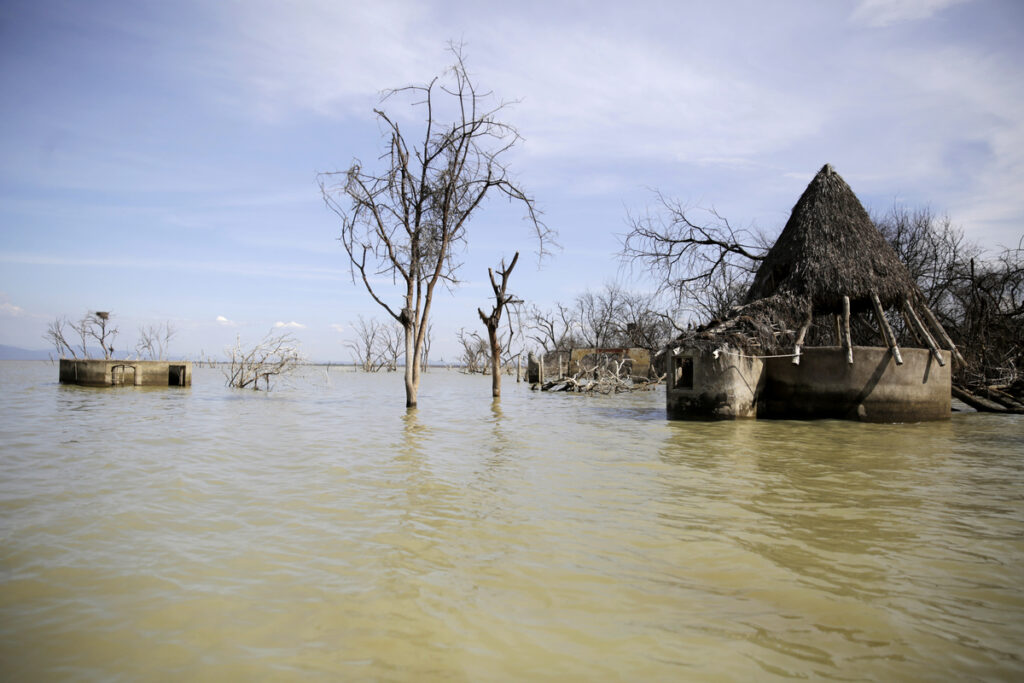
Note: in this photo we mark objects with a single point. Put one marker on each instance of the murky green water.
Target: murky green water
(320, 532)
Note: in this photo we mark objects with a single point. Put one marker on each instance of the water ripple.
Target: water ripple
(322, 531)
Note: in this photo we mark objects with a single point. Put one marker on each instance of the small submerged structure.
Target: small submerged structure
(128, 373)
(788, 352)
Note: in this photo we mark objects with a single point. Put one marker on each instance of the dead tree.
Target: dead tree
(154, 341)
(402, 223)
(553, 330)
(706, 266)
(55, 335)
(275, 355)
(493, 319)
(370, 346)
(474, 352)
(93, 326)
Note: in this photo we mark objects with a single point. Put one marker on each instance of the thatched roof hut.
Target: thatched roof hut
(829, 249)
(830, 260)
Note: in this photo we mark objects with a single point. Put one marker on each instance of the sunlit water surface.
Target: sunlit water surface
(322, 532)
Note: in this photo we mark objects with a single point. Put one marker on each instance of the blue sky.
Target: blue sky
(159, 159)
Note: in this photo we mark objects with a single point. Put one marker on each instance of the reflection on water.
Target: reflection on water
(323, 531)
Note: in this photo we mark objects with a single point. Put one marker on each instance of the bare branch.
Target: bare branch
(403, 221)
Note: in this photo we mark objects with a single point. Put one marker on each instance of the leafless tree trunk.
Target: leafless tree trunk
(401, 223)
(492, 320)
(275, 355)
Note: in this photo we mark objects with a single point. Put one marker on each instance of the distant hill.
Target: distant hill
(15, 353)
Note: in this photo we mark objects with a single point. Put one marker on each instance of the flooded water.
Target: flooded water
(321, 532)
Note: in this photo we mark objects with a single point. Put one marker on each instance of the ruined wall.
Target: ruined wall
(106, 373)
(823, 385)
(873, 388)
(700, 386)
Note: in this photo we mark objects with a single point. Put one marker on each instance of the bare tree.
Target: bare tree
(475, 354)
(95, 326)
(402, 222)
(493, 319)
(92, 326)
(427, 339)
(706, 266)
(154, 341)
(368, 348)
(597, 313)
(639, 324)
(275, 355)
(55, 335)
(556, 329)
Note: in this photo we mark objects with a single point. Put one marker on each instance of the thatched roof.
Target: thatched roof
(830, 248)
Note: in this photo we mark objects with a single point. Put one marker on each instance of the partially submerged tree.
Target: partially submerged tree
(475, 352)
(273, 356)
(370, 346)
(403, 221)
(492, 320)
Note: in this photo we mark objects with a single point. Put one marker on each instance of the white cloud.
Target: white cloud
(881, 13)
(291, 325)
(224, 321)
(12, 310)
(9, 309)
(338, 327)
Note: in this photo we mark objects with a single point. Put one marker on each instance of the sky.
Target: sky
(159, 159)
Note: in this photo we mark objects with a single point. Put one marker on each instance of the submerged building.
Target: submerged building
(114, 373)
(788, 351)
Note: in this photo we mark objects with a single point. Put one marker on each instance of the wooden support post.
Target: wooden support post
(887, 334)
(941, 333)
(847, 343)
(839, 330)
(910, 327)
(922, 331)
(800, 337)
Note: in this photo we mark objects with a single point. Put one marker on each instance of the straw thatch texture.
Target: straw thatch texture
(831, 248)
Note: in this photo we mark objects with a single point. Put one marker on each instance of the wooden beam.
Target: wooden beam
(941, 333)
(887, 334)
(839, 329)
(921, 330)
(910, 327)
(800, 338)
(847, 343)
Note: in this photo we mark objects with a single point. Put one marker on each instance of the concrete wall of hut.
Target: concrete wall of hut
(873, 389)
(701, 386)
(105, 373)
(824, 385)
